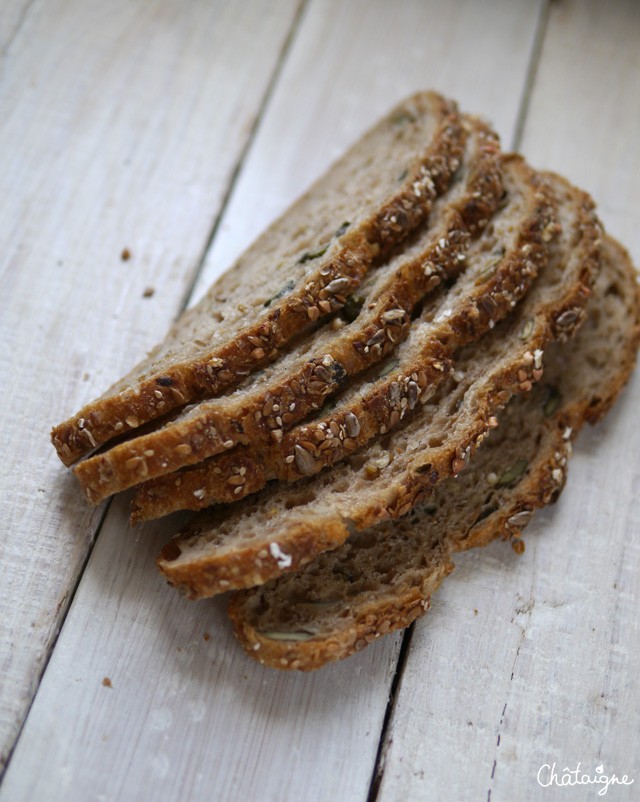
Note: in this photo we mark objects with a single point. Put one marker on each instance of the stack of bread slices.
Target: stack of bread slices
(382, 379)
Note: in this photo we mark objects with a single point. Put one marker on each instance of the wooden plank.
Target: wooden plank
(364, 71)
(547, 670)
(12, 16)
(118, 130)
(585, 110)
(188, 718)
(186, 715)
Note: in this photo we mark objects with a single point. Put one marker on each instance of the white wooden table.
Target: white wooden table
(177, 130)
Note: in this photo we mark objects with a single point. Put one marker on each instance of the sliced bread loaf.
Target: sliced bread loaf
(284, 527)
(303, 267)
(500, 267)
(268, 404)
(382, 578)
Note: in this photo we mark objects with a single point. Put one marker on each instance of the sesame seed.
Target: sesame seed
(537, 358)
(283, 560)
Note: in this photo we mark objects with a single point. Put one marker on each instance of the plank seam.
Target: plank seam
(378, 765)
(282, 58)
(526, 608)
(529, 83)
(6, 46)
(532, 73)
(64, 607)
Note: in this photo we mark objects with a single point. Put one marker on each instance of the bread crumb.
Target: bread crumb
(107, 682)
(207, 636)
(518, 546)
(125, 255)
(148, 292)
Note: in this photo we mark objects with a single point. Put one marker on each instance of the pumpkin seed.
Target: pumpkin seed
(552, 400)
(390, 366)
(299, 635)
(286, 289)
(342, 229)
(513, 473)
(352, 307)
(309, 255)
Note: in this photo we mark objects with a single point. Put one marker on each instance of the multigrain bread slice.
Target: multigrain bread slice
(500, 267)
(284, 527)
(300, 383)
(319, 250)
(382, 578)
(283, 394)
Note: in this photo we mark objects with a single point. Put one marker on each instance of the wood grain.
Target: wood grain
(584, 118)
(120, 129)
(366, 58)
(547, 669)
(185, 717)
(13, 14)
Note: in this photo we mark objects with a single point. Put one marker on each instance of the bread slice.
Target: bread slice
(280, 396)
(284, 527)
(500, 267)
(382, 578)
(301, 269)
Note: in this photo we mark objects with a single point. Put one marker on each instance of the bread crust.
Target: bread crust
(495, 286)
(310, 641)
(553, 311)
(260, 413)
(154, 393)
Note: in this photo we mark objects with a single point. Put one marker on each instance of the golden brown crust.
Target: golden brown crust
(213, 372)
(466, 521)
(601, 403)
(261, 415)
(370, 624)
(229, 572)
(516, 371)
(309, 448)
